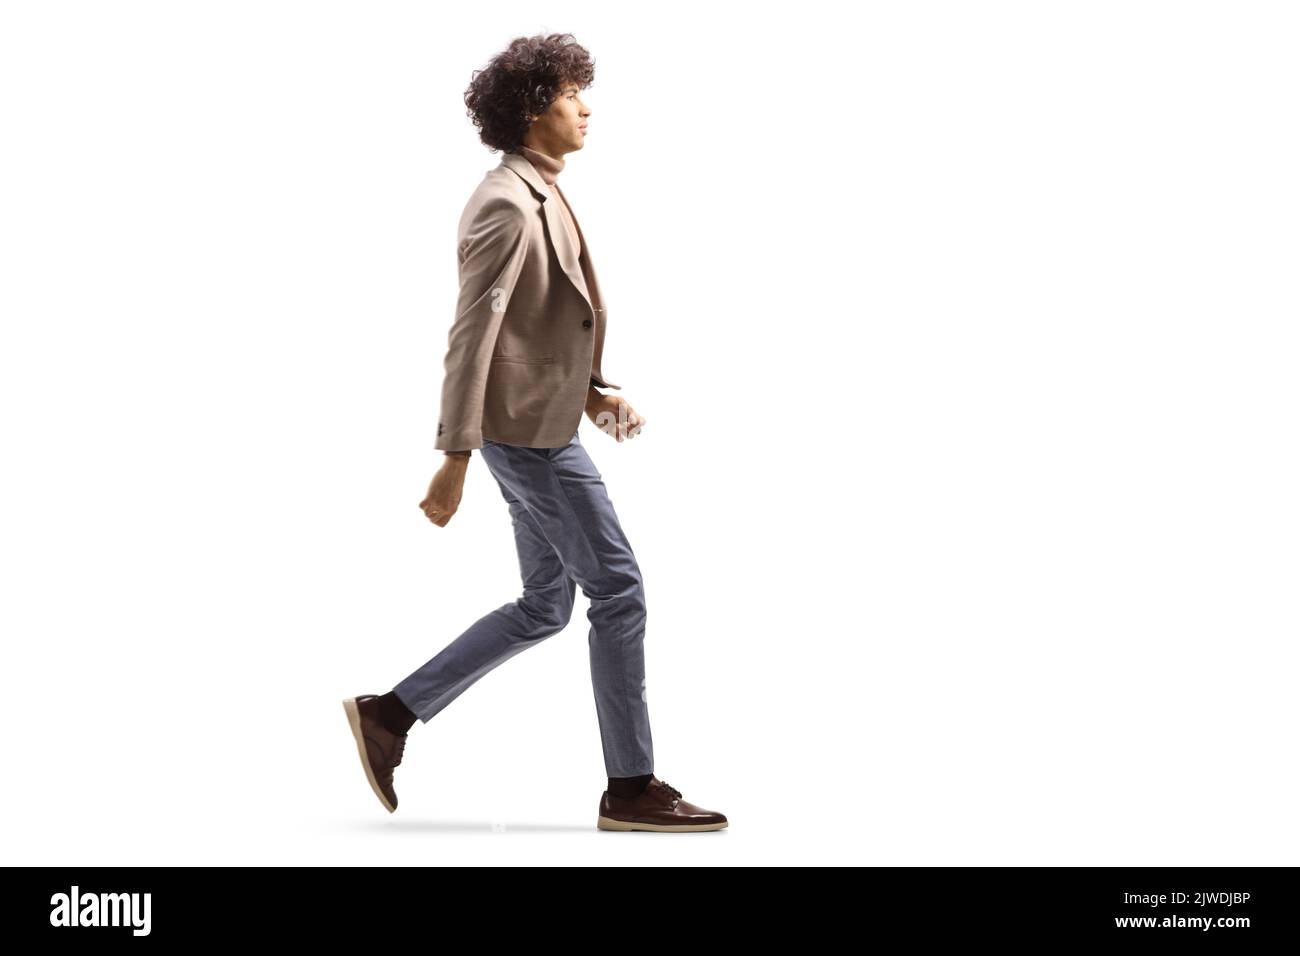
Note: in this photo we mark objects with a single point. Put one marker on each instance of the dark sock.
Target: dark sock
(394, 715)
(628, 787)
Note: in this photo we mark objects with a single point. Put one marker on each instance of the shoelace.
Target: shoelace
(677, 794)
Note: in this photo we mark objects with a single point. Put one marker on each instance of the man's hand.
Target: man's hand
(613, 415)
(444, 490)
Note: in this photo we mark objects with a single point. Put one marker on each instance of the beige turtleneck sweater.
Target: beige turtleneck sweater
(550, 167)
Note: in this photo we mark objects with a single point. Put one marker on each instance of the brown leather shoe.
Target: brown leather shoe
(380, 748)
(659, 807)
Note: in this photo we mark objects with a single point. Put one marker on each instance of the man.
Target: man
(523, 365)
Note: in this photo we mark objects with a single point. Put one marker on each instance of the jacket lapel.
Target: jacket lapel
(559, 236)
(584, 260)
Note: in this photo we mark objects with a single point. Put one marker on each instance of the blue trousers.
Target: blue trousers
(567, 534)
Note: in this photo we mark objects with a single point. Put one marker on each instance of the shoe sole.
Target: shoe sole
(605, 823)
(354, 721)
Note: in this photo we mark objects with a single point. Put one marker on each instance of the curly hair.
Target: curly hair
(524, 78)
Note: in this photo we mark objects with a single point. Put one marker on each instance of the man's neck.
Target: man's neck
(548, 151)
(548, 166)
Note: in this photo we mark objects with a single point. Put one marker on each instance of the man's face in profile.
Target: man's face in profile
(562, 128)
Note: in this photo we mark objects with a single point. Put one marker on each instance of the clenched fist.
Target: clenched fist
(444, 491)
(613, 415)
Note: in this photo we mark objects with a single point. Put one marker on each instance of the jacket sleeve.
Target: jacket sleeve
(491, 253)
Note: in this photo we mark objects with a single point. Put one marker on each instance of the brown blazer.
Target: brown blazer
(530, 323)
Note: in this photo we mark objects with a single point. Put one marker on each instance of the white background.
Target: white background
(966, 336)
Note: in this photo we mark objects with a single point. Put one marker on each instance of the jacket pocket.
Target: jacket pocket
(523, 359)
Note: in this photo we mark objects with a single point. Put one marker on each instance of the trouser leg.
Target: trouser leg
(544, 609)
(564, 494)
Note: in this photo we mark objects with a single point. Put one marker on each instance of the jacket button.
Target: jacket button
(586, 323)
